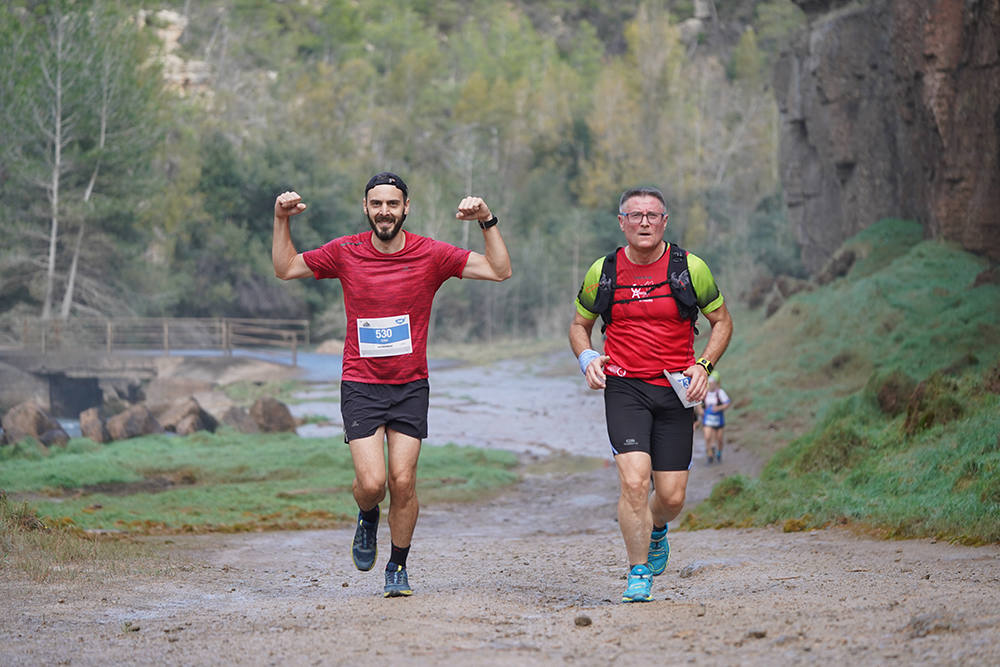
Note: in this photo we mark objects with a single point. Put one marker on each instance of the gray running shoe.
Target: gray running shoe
(365, 547)
(396, 582)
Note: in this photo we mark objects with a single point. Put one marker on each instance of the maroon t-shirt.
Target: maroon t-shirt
(387, 299)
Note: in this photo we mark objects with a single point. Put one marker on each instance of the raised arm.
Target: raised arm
(495, 264)
(288, 262)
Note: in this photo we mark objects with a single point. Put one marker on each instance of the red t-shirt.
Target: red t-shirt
(648, 336)
(387, 299)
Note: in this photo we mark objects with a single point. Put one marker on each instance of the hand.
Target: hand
(473, 208)
(699, 382)
(595, 372)
(288, 204)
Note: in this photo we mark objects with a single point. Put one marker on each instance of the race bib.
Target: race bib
(712, 419)
(384, 336)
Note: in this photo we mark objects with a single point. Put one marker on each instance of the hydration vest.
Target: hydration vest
(678, 278)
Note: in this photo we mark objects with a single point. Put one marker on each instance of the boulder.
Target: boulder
(134, 422)
(185, 416)
(56, 436)
(272, 416)
(29, 420)
(239, 419)
(18, 386)
(92, 426)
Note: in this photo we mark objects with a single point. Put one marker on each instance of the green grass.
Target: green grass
(222, 482)
(883, 386)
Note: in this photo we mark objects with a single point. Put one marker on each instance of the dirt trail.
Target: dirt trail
(530, 578)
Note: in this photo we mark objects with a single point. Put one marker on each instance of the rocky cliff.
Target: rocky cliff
(891, 108)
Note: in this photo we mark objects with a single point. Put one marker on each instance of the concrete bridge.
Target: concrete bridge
(69, 365)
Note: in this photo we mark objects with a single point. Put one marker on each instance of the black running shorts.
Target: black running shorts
(645, 417)
(401, 407)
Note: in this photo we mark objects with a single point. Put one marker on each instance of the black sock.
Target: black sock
(371, 516)
(398, 557)
(657, 529)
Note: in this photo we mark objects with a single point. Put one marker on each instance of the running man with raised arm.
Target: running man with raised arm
(389, 277)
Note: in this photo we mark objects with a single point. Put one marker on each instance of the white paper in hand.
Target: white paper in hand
(680, 383)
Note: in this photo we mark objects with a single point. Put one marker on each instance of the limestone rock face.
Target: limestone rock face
(889, 109)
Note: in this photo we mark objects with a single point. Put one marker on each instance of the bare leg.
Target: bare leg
(634, 517)
(667, 500)
(403, 506)
(368, 456)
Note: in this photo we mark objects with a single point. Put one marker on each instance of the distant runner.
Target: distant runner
(649, 301)
(389, 278)
(713, 418)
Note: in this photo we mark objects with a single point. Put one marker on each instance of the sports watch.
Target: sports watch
(706, 364)
(488, 223)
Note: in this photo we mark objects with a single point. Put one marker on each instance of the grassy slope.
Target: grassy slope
(813, 374)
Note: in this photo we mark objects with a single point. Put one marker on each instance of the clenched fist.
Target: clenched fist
(288, 204)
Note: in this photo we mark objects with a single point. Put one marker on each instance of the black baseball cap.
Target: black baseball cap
(386, 178)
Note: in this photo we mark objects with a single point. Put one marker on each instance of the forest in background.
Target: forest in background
(143, 145)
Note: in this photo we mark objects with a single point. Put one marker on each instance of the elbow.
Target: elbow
(504, 274)
(282, 273)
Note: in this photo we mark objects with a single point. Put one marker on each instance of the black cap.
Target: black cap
(386, 178)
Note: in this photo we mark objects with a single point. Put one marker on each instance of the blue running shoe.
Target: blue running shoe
(365, 547)
(396, 582)
(659, 551)
(640, 585)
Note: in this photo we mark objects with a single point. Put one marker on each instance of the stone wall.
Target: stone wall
(891, 108)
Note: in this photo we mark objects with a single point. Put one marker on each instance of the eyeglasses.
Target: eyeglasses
(635, 217)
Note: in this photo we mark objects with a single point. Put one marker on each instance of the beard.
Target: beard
(389, 234)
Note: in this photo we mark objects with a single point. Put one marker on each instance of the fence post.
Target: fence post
(228, 328)
(109, 334)
(166, 338)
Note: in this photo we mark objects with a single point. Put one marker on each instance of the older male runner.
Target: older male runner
(649, 293)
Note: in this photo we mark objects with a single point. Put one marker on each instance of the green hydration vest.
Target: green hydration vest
(678, 278)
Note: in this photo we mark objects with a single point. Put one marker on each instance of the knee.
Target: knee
(635, 491)
(370, 487)
(403, 484)
(672, 498)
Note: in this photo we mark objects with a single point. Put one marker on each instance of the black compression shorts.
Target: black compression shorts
(401, 407)
(645, 417)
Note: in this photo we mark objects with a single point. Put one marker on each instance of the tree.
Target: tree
(84, 116)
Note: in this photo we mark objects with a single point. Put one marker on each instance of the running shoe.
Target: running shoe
(718, 457)
(365, 547)
(659, 551)
(640, 585)
(396, 582)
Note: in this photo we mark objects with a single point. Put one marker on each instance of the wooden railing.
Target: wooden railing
(123, 334)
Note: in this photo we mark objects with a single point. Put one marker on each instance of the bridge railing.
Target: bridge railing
(124, 334)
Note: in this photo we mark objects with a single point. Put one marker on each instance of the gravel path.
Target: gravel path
(532, 577)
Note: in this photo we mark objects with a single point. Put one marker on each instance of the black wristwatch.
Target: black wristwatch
(489, 223)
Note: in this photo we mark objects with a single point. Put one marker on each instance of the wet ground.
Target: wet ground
(532, 577)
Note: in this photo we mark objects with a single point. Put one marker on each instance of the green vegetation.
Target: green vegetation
(222, 482)
(887, 384)
(548, 109)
